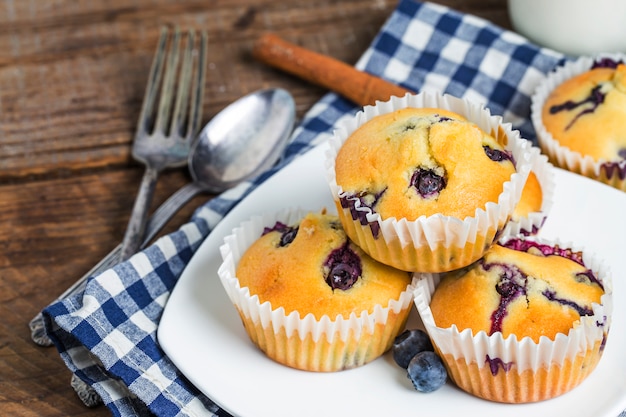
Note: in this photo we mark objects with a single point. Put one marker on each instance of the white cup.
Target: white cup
(573, 27)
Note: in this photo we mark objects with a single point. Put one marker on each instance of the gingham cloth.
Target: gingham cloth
(107, 336)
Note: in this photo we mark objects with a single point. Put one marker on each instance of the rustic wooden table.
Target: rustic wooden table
(72, 78)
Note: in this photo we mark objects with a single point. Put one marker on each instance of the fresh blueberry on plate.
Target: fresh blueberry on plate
(427, 372)
(408, 344)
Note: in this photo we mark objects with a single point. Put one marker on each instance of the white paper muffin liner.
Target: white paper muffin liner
(612, 173)
(539, 371)
(434, 243)
(532, 223)
(300, 340)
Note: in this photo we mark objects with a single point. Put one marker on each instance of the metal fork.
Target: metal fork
(176, 147)
(165, 142)
(159, 143)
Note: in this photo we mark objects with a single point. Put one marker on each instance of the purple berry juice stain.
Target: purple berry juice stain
(511, 285)
(595, 98)
(496, 364)
(366, 199)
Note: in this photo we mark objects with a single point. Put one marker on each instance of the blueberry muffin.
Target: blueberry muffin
(309, 298)
(527, 322)
(579, 113)
(424, 188)
(417, 162)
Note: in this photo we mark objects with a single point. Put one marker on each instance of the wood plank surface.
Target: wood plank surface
(72, 77)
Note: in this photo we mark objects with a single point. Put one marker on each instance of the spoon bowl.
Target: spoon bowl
(243, 140)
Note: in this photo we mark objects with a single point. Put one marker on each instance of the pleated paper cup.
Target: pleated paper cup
(435, 243)
(298, 339)
(529, 223)
(520, 370)
(610, 172)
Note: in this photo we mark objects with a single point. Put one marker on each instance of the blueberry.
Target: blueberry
(408, 344)
(288, 236)
(497, 155)
(343, 276)
(427, 372)
(287, 233)
(427, 182)
(342, 268)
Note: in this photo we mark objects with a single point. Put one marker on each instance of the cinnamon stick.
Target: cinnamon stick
(358, 86)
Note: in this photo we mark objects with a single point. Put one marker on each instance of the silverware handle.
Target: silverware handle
(154, 225)
(138, 217)
(167, 210)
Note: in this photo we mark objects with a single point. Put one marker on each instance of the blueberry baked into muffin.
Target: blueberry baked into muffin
(309, 297)
(423, 188)
(527, 322)
(579, 113)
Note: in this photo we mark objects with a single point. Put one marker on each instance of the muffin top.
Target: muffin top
(524, 289)
(531, 198)
(587, 113)
(422, 161)
(312, 267)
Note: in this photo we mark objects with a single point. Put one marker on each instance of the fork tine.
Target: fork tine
(152, 88)
(196, 105)
(165, 100)
(189, 109)
(182, 96)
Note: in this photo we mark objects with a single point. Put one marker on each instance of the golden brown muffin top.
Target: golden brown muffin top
(292, 266)
(425, 161)
(531, 198)
(587, 113)
(518, 292)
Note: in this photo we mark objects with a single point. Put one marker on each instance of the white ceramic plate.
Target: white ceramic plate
(202, 334)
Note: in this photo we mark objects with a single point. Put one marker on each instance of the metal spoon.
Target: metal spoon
(240, 142)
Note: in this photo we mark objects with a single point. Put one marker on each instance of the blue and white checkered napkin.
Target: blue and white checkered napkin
(107, 336)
